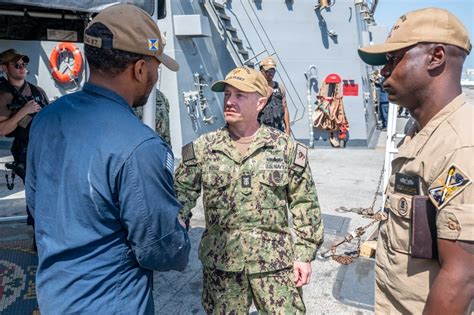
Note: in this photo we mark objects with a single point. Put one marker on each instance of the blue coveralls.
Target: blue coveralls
(100, 186)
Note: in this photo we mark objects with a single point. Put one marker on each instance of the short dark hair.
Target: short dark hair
(108, 60)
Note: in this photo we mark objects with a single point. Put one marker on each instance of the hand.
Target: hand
(302, 273)
(31, 107)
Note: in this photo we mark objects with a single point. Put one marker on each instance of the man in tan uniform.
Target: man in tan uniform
(252, 176)
(423, 57)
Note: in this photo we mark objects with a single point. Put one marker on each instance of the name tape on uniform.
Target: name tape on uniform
(407, 184)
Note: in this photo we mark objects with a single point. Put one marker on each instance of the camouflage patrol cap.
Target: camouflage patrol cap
(133, 31)
(430, 25)
(244, 79)
(11, 55)
(268, 63)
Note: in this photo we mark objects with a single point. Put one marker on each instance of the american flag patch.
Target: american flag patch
(169, 162)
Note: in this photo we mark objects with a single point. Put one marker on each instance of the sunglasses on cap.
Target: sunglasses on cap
(20, 65)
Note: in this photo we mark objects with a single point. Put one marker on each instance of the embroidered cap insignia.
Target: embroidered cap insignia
(153, 44)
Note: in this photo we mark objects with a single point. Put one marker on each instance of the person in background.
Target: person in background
(100, 183)
(275, 113)
(162, 116)
(19, 101)
(383, 106)
(425, 250)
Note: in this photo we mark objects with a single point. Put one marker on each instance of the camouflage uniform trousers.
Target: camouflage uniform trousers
(233, 292)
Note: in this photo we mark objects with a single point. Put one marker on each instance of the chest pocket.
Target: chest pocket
(399, 222)
(217, 187)
(273, 188)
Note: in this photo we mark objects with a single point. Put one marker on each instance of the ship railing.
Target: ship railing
(292, 94)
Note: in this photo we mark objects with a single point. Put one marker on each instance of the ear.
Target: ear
(262, 101)
(437, 57)
(3, 68)
(140, 70)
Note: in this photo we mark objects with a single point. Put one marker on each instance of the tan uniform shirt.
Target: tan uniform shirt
(403, 282)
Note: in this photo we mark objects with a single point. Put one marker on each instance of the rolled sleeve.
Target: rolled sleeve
(149, 208)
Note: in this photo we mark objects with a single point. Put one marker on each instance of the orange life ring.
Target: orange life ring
(68, 76)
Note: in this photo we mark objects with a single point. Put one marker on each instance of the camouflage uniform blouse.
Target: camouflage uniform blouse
(246, 201)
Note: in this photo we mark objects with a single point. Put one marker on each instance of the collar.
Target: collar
(107, 93)
(224, 143)
(414, 142)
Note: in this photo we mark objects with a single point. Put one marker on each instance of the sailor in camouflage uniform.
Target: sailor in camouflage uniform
(251, 175)
(162, 116)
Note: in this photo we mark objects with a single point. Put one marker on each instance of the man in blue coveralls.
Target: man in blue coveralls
(100, 183)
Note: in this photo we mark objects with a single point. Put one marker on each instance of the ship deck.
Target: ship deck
(344, 177)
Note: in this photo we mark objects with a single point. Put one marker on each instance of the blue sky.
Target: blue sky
(388, 11)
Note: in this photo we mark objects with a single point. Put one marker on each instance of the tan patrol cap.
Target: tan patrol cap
(133, 31)
(244, 79)
(268, 63)
(430, 25)
(11, 55)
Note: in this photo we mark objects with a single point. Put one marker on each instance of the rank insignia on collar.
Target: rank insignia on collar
(449, 184)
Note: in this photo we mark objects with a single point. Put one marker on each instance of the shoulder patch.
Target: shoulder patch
(447, 186)
(187, 152)
(301, 155)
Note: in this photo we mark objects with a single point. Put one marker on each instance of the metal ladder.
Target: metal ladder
(234, 43)
(241, 54)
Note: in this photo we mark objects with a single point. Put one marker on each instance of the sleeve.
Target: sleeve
(149, 208)
(188, 181)
(455, 217)
(283, 91)
(5, 113)
(30, 182)
(304, 207)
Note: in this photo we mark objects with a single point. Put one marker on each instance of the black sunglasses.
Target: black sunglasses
(20, 65)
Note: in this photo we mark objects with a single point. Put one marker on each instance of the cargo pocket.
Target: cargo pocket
(399, 223)
(216, 188)
(273, 185)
